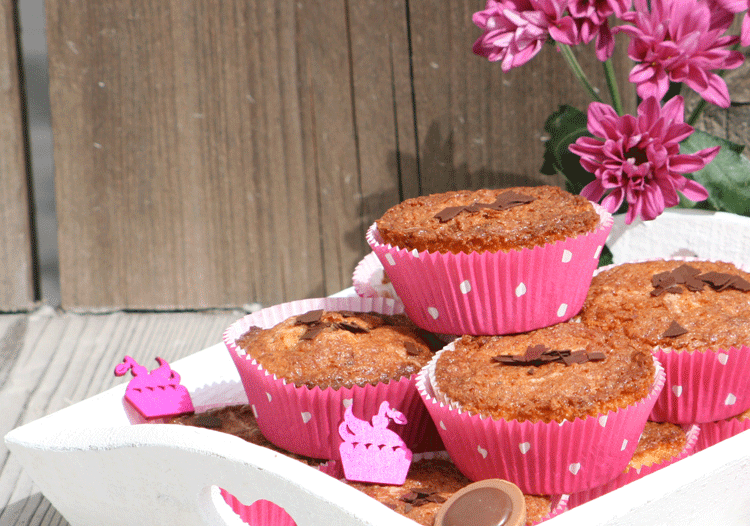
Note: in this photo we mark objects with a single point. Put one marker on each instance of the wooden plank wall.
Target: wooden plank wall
(217, 153)
(17, 285)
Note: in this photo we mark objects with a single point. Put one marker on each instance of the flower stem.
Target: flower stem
(696, 112)
(572, 62)
(609, 73)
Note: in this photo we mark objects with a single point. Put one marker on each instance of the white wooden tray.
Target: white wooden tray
(98, 468)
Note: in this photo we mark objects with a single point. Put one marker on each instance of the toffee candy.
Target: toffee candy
(491, 502)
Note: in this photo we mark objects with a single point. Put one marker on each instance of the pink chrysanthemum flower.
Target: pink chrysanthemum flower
(638, 160)
(592, 21)
(515, 30)
(681, 41)
(738, 6)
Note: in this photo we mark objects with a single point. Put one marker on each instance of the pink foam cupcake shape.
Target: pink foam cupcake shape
(626, 477)
(305, 421)
(370, 452)
(494, 292)
(157, 393)
(541, 458)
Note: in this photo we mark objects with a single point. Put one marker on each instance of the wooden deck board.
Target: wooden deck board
(50, 360)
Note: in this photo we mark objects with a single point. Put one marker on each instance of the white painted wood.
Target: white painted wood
(159, 474)
(683, 232)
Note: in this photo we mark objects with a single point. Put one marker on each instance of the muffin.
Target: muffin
(487, 220)
(660, 445)
(302, 364)
(517, 377)
(554, 411)
(695, 317)
(340, 348)
(491, 261)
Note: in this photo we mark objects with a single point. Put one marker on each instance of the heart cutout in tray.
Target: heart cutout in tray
(259, 513)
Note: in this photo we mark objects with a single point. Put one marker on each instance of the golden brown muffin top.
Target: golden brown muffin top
(423, 223)
(431, 482)
(340, 348)
(659, 442)
(475, 374)
(645, 299)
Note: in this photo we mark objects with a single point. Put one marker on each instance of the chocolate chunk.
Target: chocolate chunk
(720, 281)
(449, 213)
(313, 331)
(208, 421)
(683, 273)
(596, 356)
(740, 284)
(538, 355)
(576, 357)
(351, 327)
(509, 200)
(663, 280)
(411, 348)
(674, 330)
(534, 352)
(309, 317)
(502, 202)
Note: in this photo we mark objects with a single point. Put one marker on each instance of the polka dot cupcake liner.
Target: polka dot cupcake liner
(559, 504)
(305, 421)
(494, 292)
(714, 432)
(703, 386)
(371, 281)
(576, 499)
(540, 458)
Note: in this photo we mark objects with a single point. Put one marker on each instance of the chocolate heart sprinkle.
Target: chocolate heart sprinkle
(674, 330)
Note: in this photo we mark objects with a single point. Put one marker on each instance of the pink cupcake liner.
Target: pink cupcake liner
(494, 292)
(703, 386)
(714, 432)
(368, 279)
(259, 513)
(576, 499)
(559, 505)
(305, 421)
(540, 458)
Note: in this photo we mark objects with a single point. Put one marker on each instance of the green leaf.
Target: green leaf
(727, 177)
(564, 127)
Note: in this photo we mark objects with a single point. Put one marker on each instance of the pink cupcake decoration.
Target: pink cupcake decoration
(372, 452)
(155, 394)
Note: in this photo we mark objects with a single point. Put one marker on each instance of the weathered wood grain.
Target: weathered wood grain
(219, 153)
(478, 126)
(17, 286)
(50, 360)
